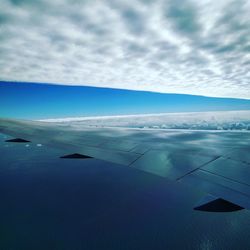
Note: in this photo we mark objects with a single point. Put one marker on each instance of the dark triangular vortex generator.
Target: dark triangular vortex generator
(76, 156)
(17, 140)
(219, 205)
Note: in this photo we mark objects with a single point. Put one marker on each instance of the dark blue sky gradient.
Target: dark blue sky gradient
(35, 101)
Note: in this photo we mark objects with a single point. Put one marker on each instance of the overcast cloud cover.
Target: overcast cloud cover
(179, 46)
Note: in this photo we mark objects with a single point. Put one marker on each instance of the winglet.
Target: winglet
(213, 204)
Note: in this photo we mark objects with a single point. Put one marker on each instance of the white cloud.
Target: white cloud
(192, 47)
(219, 120)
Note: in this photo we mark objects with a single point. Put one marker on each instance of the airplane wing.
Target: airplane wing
(217, 162)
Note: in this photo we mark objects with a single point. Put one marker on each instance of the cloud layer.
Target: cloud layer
(220, 120)
(178, 46)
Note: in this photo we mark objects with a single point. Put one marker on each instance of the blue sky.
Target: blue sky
(37, 101)
(197, 47)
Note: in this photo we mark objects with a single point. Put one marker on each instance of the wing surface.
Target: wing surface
(217, 162)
